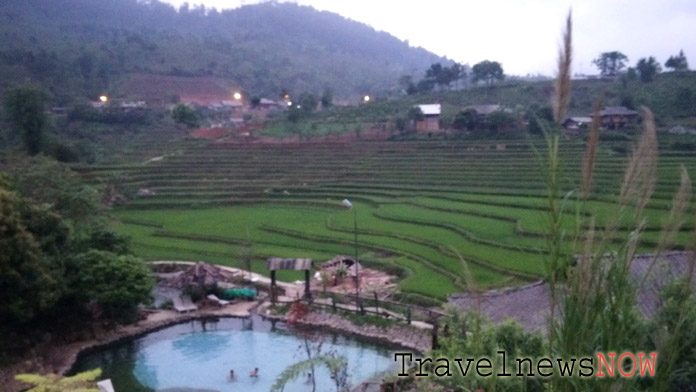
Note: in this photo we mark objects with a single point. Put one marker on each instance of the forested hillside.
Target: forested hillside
(86, 47)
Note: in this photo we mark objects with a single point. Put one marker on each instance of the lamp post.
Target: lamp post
(349, 205)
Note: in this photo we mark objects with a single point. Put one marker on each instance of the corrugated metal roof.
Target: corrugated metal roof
(279, 263)
(581, 119)
(431, 109)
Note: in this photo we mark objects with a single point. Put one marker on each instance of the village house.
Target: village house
(577, 123)
(231, 105)
(269, 104)
(431, 118)
(617, 117)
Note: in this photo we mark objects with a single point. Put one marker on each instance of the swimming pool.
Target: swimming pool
(199, 356)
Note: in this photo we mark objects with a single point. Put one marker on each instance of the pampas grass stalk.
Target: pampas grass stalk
(563, 83)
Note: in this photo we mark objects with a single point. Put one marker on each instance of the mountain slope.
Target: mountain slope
(87, 46)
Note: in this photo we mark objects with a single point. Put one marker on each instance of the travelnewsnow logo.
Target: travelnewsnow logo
(601, 365)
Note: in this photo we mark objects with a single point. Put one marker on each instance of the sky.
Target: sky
(523, 35)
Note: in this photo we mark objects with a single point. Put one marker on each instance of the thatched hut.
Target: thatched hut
(201, 275)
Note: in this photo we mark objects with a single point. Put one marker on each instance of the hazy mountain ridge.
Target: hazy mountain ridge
(90, 46)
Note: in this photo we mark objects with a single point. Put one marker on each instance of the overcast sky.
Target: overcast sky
(523, 35)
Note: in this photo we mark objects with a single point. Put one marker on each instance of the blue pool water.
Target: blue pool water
(200, 356)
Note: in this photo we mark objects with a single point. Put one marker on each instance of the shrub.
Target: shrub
(118, 283)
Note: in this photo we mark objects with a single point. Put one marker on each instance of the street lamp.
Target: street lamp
(349, 205)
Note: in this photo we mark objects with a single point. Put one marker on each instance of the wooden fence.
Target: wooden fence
(373, 305)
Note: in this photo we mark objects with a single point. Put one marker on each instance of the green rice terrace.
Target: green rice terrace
(421, 206)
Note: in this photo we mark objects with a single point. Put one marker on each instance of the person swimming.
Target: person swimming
(254, 373)
(232, 376)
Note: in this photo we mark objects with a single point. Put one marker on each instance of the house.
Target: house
(431, 118)
(577, 123)
(132, 105)
(616, 117)
(268, 104)
(233, 105)
(529, 305)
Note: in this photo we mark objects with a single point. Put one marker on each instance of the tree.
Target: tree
(425, 85)
(684, 101)
(184, 114)
(456, 72)
(610, 63)
(400, 123)
(648, 68)
(301, 108)
(118, 283)
(415, 114)
(24, 106)
(46, 181)
(444, 76)
(407, 85)
(678, 62)
(466, 120)
(86, 64)
(437, 74)
(327, 98)
(29, 282)
(538, 118)
(488, 71)
(337, 366)
(631, 74)
(307, 103)
(501, 120)
(294, 115)
(101, 238)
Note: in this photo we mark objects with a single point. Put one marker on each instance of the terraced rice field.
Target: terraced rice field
(420, 206)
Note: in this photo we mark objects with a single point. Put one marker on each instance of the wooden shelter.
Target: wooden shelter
(277, 263)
